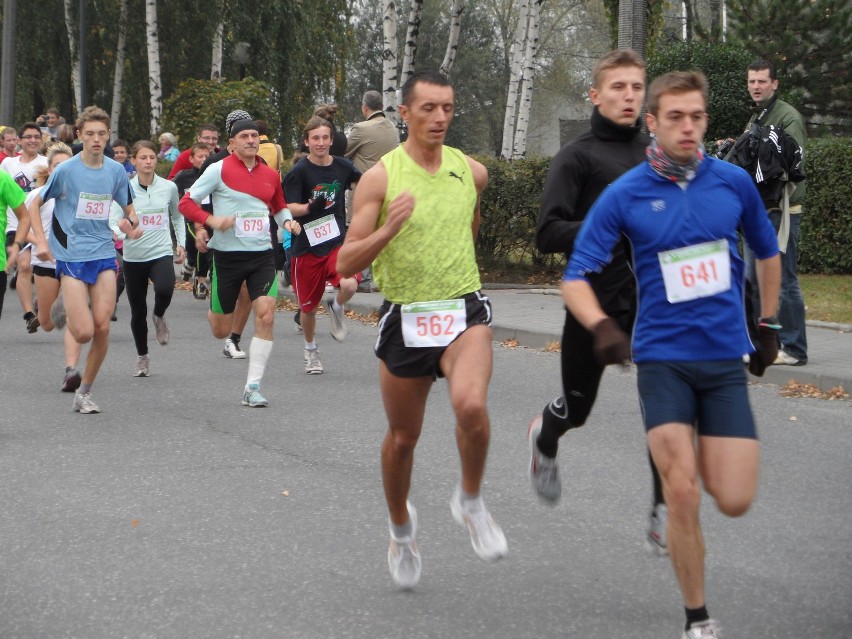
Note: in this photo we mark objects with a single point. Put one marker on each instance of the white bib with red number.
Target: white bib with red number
(93, 206)
(153, 219)
(696, 271)
(432, 323)
(321, 230)
(252, 224)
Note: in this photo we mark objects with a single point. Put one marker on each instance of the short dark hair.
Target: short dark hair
(676, 82)
(28, 125)
(208, 127)
(198, 146)
(120, 142)
(425, 77)
(760, 64)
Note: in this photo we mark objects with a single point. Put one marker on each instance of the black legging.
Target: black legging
(161, 272)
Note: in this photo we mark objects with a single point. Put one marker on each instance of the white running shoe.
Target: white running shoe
(313, 365)
(163, 333)
(544, 470)
(487, 538)
(703, 630)
(142, 364)
(404, 555)
(337, 319)
(83, 404)
(657, 530)
(232, 350)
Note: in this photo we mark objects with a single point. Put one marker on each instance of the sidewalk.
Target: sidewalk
(534, 316)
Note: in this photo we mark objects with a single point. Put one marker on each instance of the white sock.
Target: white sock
(311, 346)
(259, 351)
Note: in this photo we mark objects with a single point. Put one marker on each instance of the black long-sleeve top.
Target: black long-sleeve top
(578, 174)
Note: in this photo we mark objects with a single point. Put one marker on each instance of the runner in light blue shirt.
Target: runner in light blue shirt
(81, 242)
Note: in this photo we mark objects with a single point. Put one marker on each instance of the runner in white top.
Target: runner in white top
(46, 280)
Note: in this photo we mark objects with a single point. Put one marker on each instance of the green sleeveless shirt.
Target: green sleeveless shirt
(432, 257)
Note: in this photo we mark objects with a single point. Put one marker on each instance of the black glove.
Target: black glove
(766, 345)
(318, 205)
(611, 346)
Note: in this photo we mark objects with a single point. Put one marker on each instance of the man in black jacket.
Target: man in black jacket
(578, 174)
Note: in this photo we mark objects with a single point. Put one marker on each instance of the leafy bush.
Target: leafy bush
(825, 242)
(510, 204)
(509, 209)
(725, 66)
(197, 102)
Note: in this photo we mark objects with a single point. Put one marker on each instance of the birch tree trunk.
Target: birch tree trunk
(515, 75)
(411, 40)
(154, 84)
(216, 64)
(389, 72)
(75, 56)
(453, 40)
(530, 53)
(118, 78)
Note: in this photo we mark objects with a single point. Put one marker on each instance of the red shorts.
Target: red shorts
(309, 273)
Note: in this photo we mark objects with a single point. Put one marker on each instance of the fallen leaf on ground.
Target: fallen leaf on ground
(796, 389)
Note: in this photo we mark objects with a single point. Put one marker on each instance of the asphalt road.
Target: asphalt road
(178, 513)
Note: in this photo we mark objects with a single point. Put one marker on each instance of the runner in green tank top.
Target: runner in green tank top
(416, 214)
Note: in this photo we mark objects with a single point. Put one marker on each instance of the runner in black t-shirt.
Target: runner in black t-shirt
(314, 189)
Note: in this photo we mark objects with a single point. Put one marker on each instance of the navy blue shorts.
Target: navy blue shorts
(405, 361)
(712, 395)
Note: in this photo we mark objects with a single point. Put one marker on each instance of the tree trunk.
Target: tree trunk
(118, 78)
(688, 21)
(531, 51)
(411, 39)
(389, 73)
(75, 56)
(216, 65)
(633, 25)
(515, 75)
(453, 40)
(716, 27)
(154, 84)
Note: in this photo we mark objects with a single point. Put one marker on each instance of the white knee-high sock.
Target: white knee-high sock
(259, 351)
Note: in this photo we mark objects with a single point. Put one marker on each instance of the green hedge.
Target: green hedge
(510, 206)
(825, 240)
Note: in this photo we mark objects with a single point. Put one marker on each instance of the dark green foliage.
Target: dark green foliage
(510, 204)
(809, 42)
(725, 67)
(825, 243)
(298, 49)
(197, 102)
(509, 209)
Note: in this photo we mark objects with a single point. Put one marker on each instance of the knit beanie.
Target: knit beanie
(235, 116)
